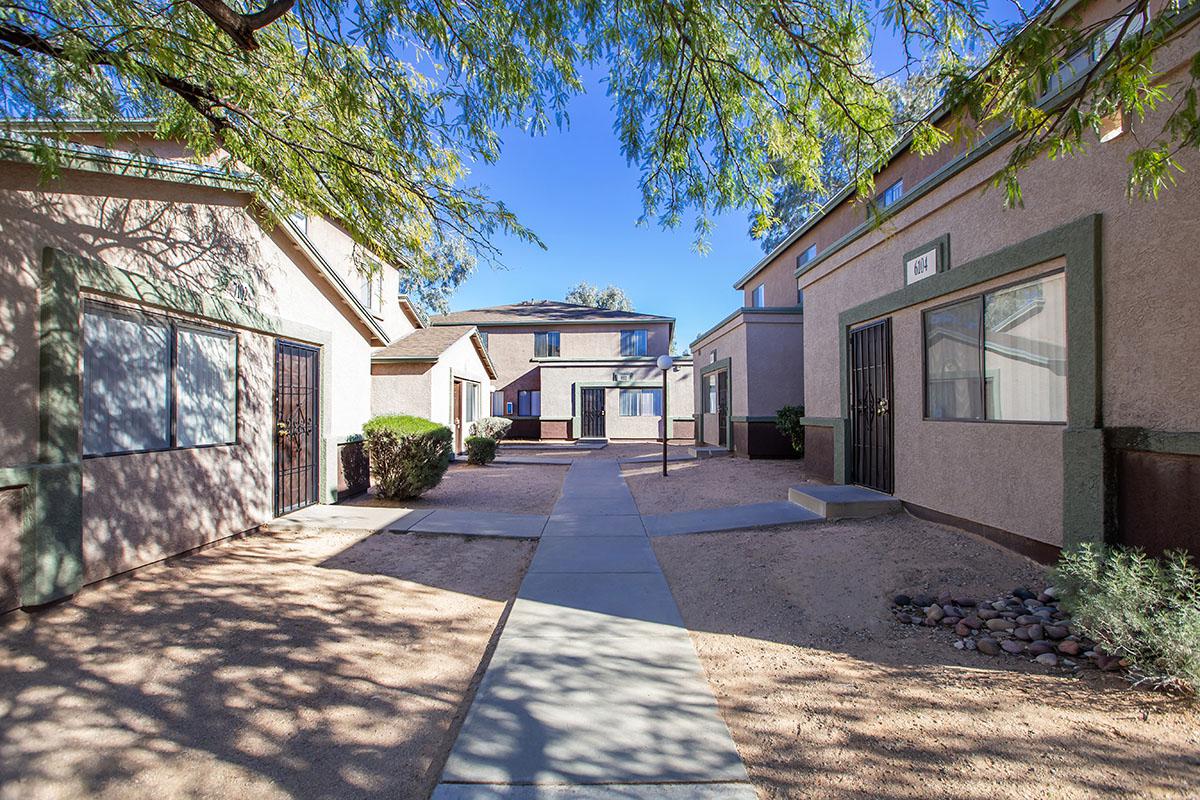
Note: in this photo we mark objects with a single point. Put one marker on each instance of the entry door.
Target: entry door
(592, 413)
(723, 408)
(458, 416)
(297, 425)
(870, 354)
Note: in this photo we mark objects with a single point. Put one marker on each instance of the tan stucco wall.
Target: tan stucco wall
(460, 360)
(775, 368)
(139, 508)
(727, 342)
(511, 347)
(401, 388)
(558, 386)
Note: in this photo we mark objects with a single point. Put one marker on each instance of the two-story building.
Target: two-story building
(567, 371)
(1030, 374)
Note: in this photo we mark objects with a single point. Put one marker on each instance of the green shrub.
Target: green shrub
(408, 455)
(1144, 609)
(788, 420)
(480, 450)
(495, 428)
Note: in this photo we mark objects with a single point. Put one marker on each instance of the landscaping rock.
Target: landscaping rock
(1057, 631)
(988, 646)
(973, 622)
(987, 613)
(1041, 646)
(1028, 619)
(923, 600)
(935, 613)
(1012, 646)
(1049, 659)
(1022, 633)
(902, 600)
(1069, 648)
(950, 620)
(1036, 632)
(999, 624)
(1022, 593)
(965, 602)
(961, 629)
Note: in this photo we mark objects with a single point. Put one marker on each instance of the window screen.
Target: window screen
(206, 387)
(545, 345)
(470, 401)
(126, 381)
(497, 404)
(952, 362)
(633, 343)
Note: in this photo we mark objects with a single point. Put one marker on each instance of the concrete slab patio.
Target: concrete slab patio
(730, 518)
(594, 690)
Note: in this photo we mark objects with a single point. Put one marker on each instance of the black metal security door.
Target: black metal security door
(297, 425)
(592, 413)
(870, 352)
(723, 408)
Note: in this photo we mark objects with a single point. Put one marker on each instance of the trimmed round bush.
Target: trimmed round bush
(480, 450)
(408, 455)
(494, 428)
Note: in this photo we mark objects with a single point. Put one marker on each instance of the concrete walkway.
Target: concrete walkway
(378, 519)
(729, 518)
(594, 690)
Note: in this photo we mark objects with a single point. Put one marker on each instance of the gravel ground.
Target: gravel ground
(614, 450)
(300, 665)
(508, 488)
(711, 483)
(827, 697)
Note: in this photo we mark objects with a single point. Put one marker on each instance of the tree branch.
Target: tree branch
(241, 27)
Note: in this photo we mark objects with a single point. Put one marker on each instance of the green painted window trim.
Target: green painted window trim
(1085, 484)
(52, 536)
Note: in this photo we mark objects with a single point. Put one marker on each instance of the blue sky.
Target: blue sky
(573, 188)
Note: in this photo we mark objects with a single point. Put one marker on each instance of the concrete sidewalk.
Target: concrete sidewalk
(729, 518)
(378, 519)
(594, 690)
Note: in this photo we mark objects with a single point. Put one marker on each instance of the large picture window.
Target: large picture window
(633, 343)
(152, 384)
(545, 344)
(999, 356)
(641, 402)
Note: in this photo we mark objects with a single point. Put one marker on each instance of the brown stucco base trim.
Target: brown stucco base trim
(760, 439)
(1040, 552)
(556, 429)
(819, 453)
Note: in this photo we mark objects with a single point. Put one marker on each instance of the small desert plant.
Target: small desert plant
(480, 450)
(1145, 610)
(788, 420)
(408, 455)
(495, 428)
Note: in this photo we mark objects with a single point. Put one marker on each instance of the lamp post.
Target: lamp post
(665, 362)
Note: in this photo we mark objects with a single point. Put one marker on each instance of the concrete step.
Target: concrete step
(843, 502)
(711, 452)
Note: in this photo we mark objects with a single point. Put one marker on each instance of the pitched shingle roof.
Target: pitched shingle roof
(536, 311)
(428, 344)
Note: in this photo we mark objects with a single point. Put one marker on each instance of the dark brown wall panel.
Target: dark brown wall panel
(1158, 501)
(818, 452)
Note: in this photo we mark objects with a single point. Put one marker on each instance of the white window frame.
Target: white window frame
(758, 298)
(549, 337)
(639, 338)
(639, 401)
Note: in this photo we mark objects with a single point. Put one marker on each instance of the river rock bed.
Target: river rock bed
(1021, 623)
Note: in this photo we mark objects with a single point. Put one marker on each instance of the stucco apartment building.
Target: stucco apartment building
(1029, 374)
(567, 371)
(181, 362)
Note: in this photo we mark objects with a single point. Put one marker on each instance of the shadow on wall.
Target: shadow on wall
(253, 666)
(142, 507)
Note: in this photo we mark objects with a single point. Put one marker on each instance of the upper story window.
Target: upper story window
(758, 298)
(808, 255)
(1000, 355)
(483, 339)
(300, 220)
(892, 194)
(633, 343)
(545, 344)
(370, 290)
(1077, 64)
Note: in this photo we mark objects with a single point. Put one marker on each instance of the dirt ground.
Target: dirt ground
(827, 697)
(508, 488)
(711, 483)
(299, 665)
(612, 452)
